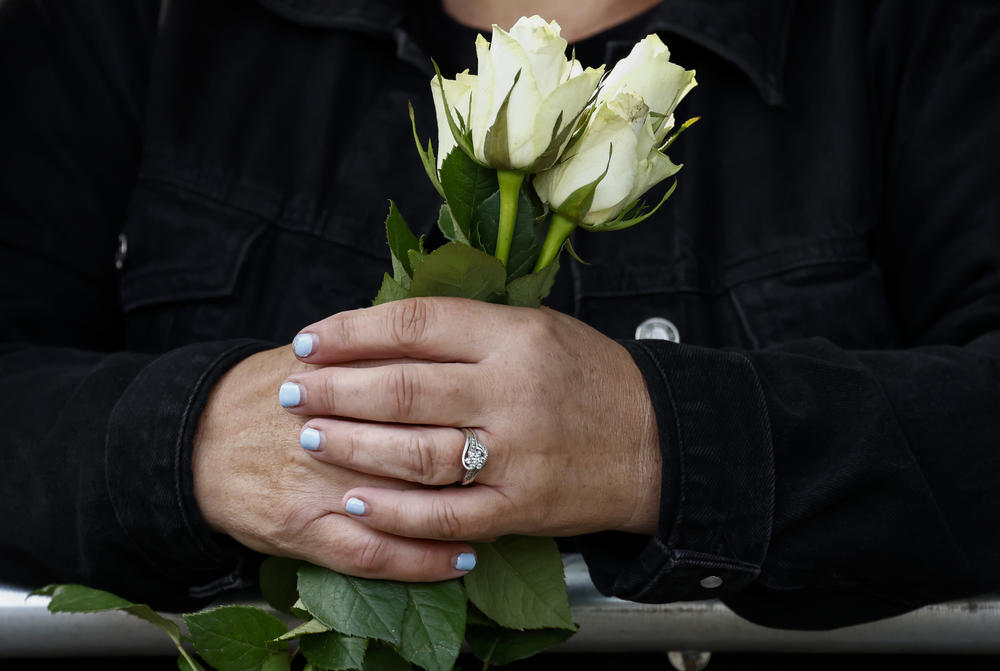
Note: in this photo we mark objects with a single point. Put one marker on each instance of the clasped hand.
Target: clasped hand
(377, 400)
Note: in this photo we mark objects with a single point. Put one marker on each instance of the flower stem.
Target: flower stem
(559, 229)
(510, 192)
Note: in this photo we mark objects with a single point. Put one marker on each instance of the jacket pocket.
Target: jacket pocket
(830, 289)
(182, 246)
(199, 268)
(840, 299)
(185, 253)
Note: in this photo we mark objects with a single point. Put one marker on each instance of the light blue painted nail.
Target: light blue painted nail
(303, 344)
(309, 439)
(290, 395)
(465, 561)
(355, 506)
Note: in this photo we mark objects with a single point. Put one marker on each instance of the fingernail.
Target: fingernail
(355, 506)
(290, 395)
(303, 344)
(309, 439)
(465, 561)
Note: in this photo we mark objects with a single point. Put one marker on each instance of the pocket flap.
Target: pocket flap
(182, 245)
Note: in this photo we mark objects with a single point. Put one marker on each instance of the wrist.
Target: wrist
(644, 464)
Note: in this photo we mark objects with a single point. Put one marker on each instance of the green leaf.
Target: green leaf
(466, 185)
(446, 222)
(459, 270)
(497, 645)
(519, 583)
(529, 290)
(426, 155)
(401, 238)
(334, 651)
(475, 617)
(385, 659)
(235, 638)
(278, 578)
(281, 661)
(354, 606)
(399, 273)
(391, 291)
(434, 624)
(529, 233)
(313, 626)
(299, 609)
(82, 599)
(416, 257)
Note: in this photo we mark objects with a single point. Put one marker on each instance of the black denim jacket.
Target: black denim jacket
(183, 185)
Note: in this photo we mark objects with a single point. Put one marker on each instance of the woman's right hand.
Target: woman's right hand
(254, 482)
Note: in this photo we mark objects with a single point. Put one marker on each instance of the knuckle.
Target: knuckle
(403, 383)
(423, 461)
(327, 393)
(447, 521)
(408, 321)
(418, 458)
(542, 335)
(343, 330)
(372, 555)
(352, 448)
(292, 522)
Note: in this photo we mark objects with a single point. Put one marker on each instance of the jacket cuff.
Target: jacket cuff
(148, 454)
(717, 497)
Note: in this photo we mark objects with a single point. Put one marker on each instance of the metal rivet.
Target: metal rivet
(121, 252)
(689, 660)
(710, 582)
(657, 328)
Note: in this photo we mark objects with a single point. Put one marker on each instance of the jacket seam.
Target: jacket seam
(268, 219)
(151, 560)
(681, 479)
(768, 445)
(729, 285)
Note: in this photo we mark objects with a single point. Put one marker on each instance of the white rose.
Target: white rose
(633, 114)
(647, 71)
(458, 91)
(525, 99)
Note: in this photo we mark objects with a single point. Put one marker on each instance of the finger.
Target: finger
(445, 394)
(348, 546)
(429, 455)
(475, 512)
(437, 329)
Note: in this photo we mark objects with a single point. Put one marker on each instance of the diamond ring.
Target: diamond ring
(474, 456)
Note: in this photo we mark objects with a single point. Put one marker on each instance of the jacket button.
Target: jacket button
(657, 328)
(121, 252)
(710, 581)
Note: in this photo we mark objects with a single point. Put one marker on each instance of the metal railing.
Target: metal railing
(970, 626)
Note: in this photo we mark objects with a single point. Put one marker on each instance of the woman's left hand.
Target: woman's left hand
(564, 411)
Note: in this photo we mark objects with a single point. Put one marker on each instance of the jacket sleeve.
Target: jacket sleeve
(95, 479)
(809, 486)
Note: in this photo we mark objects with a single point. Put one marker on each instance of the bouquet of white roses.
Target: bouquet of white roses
(530, 148)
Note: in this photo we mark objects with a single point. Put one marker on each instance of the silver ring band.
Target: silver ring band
(474, 456)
